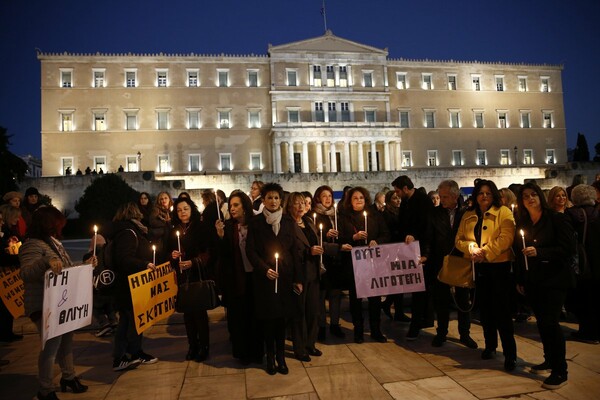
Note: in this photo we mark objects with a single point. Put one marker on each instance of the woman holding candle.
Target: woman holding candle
(189, 251)
(269, 233)
(544, 275)
(356, 229)
(235, 280)
(160, 224)
(132, 254)
(42, 252)
(305, 322)
(332, 283)
(485, 235)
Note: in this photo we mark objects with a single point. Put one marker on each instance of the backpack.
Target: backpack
(105, 274)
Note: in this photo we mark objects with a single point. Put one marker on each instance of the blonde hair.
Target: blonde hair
(555, 191)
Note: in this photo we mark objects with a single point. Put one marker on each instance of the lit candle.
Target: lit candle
(276, 269)
(321, 240)
(526, 262)
(471, 247)
(315, 218)
(366, 232)
(217, 201)
(178, 245)
(335, 215)
(512, 207)
(95, 240)
(154, 254)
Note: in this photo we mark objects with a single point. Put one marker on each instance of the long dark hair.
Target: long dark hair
(496, 196)
(195, 213)
(246, 204)
(348, 198)
(522, 213)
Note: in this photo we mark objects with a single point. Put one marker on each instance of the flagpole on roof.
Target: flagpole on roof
(324, 14)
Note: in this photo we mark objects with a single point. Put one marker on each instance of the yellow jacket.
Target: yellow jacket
(497, 234)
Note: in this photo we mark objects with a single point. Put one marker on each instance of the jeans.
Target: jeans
(127, 340)
(58, 349)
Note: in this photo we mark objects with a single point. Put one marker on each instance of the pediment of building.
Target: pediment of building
(327, 43)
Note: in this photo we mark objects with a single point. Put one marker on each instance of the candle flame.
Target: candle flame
(321, 226)
(335, 205)
(177, 233)
(153, 248)
(276, 255)
(522, 233)
(95, 229)
(365, 213)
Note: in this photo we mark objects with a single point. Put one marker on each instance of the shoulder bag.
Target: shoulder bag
(201, 295)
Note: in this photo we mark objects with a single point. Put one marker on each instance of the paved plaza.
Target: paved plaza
(394, 370)
(397, 369)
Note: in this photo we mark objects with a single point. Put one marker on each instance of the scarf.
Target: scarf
(60, 250)
(274, 219)
(320, 209)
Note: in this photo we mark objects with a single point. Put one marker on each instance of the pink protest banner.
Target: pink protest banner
(387, 269)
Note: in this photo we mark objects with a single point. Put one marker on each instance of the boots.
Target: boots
(282, 367)
(271, 370)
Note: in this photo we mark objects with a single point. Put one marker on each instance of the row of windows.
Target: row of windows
(336, 112)
(162, 79)
(163, 163)
(505, 157)
(426, 82)
(333, 76)
(163, 120)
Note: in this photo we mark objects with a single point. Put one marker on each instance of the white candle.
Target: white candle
(335, 215)
(526, 262)
(154, 254)
(95, 240)
(315, 218)
(217, 201)
(178, 245)
(471, 247)
(276, 269)
(321, 240)
(366, 239)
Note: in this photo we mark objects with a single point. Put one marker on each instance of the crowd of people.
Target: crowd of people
(282, 262)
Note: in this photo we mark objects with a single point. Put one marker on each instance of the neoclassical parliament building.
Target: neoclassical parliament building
(321, 105)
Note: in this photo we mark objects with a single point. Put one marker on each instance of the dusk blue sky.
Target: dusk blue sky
(563, 32)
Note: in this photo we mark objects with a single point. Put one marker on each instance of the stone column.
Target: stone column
(305, 165)
(277, 157)
(333, 158)
(290, 146)
(346, 166)
(319, 157)
(361, 157)
(386, 156)
(373, 156)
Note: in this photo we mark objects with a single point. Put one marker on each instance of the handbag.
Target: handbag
(201, 295)
(457, 271)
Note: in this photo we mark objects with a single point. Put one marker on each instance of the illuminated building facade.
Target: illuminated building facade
(321, 105)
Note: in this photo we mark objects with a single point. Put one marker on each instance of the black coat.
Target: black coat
(554, 240)
(332, 257)
(414, 217)
(352, 222)
(231, 273)
(261, 246)
(441, 236)
(132, 253)
(195, 247)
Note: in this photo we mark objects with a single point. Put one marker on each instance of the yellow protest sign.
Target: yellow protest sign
(11, 290)
(153, 294)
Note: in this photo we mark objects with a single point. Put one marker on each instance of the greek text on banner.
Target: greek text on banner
(153, 294)
(68, 301)
(387, 269)
(11, 290)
